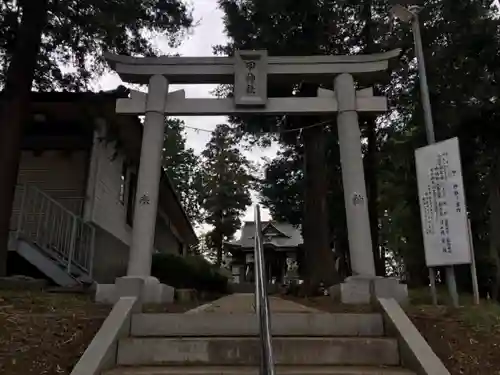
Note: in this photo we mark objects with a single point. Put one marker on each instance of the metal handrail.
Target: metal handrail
(50, 225)
(262, 301)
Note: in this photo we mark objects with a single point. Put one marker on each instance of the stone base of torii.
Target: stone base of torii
(148, 288)
(249, 71)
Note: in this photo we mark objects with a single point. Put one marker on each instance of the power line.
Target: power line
(281, 131)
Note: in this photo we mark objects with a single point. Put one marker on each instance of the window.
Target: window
(180, 247)
(132, 188)
(123, 181)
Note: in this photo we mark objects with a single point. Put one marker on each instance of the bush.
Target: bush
(191, 272)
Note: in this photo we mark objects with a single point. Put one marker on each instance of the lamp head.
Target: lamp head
(402, 13)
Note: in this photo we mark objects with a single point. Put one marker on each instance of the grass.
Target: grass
(46, 333)
(466, 339)
(43, 333)
(484, 317)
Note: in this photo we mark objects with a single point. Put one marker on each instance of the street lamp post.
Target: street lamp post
(410, 15)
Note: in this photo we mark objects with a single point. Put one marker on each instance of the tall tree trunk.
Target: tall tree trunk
(372, 192)
(219, 236)
(219, 225)
(342, 255)
(371, 154)
(416, 271)
(219, 252)
(319, 257)
(494, 201)
(320, 260)
(15, 109)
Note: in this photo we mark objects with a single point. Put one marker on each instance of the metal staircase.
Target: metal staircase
(51, 237)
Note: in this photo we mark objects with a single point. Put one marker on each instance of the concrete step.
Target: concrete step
(241, 303)
(246, 351)
(288, 324)
(280, 370)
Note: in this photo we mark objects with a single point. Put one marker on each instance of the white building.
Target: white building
(72, 215)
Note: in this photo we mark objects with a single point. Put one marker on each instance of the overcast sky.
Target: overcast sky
(208, 33)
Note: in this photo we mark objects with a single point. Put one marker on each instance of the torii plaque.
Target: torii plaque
(249, 72)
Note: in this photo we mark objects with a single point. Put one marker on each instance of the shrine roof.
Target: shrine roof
(280, 235)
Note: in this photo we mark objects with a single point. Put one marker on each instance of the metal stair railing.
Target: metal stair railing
(262, 301)
(54, 229)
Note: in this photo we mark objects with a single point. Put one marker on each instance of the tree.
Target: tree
(14, 109)
(77, 32)
(288, 28)
(282, 187)
(282, 192)
(204, 248)
(311, 28)
(370, 159)
(37, 38)
(226, 182)
(182, 167)
(462, 50)
(462, 73)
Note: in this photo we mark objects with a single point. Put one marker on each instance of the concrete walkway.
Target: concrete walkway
(245, 303)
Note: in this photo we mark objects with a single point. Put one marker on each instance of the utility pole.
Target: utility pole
(410, 15)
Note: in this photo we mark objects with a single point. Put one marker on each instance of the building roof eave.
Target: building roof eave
(184, 227)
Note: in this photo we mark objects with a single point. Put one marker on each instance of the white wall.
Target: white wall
(103, 199)
(61, 175)
(103, 191)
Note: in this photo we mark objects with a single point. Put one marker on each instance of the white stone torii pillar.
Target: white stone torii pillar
(249, 71)
(364, 284)
(353, 178)
(148, 179)
(353, 175)
(138, 281)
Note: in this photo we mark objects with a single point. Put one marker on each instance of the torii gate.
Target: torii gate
(250, 71)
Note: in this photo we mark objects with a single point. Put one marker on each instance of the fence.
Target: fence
(54, 228)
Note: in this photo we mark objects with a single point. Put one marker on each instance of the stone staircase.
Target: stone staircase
(222, 338)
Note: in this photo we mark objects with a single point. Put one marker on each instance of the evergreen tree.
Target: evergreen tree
(38, 37)
(310, 28)
(182, 167)
(461, 46)
(226, 182)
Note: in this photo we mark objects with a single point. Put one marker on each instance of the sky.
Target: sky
(209, 32)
